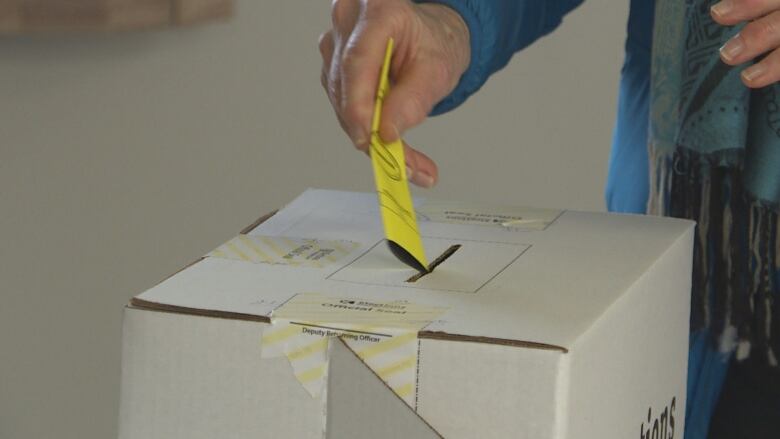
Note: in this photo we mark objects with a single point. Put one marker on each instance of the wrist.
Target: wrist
(455, 33)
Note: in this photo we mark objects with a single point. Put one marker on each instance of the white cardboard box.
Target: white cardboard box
(572, 326)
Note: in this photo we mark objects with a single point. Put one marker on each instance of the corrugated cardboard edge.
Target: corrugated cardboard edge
(136, 303)
(257, 222)
(438, 335)
(431, 335)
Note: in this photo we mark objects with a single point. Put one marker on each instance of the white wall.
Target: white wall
(122, 157)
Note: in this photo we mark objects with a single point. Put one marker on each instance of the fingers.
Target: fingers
(362, 61)
(755, 39)
(352, 56)
(420, 169)
(360, 65)
(353, 53)
(763, 73)
(332, 89)
(731, 12)
(326, 45)
(344, 14)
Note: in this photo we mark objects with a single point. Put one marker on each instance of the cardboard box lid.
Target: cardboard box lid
(539, 288)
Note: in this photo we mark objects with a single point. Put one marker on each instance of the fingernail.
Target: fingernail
(422, 179)
(394, 138)
(732, 48)
(722, 8)
(358, 137)
(409, 173)
(753, 72)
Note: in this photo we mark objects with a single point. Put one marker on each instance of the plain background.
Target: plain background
(123, 157)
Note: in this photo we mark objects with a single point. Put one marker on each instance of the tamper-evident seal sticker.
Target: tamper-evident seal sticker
(282, 250)
(507, 217)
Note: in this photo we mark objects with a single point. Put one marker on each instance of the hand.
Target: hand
(760, 36)
(431, 53)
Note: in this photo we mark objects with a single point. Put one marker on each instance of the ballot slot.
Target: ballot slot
(436, 262)
(464, 266)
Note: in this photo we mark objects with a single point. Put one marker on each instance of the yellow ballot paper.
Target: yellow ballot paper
(395, 202)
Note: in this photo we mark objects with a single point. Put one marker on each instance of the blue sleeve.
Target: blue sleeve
(498, 29)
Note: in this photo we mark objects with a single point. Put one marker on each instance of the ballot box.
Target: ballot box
(534, 323)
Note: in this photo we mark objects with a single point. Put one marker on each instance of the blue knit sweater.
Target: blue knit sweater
(499, 29)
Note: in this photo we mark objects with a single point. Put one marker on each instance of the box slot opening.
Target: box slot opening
(436, 262)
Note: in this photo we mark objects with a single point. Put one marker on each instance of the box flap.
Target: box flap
(360, 405)
(538, 287)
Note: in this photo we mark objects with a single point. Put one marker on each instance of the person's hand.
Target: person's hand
(431, 53)
(760, 36)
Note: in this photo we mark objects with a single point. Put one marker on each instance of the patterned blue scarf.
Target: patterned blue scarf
(715, 157)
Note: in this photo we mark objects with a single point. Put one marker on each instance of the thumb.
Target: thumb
(412, 97)
(421, 170)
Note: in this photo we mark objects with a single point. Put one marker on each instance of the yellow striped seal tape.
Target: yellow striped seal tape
(282, 250)
(382, 334)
